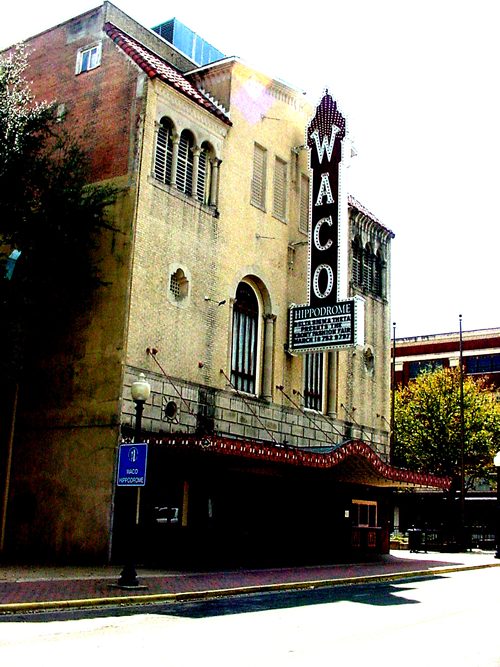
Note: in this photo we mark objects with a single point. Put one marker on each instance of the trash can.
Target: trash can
(414, 539)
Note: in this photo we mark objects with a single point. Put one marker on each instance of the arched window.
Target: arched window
(204, 174)
(163, 152)
(245, 339)
(184, 175)
(357, 262)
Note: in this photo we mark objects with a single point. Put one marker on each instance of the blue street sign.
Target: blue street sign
(132, 462)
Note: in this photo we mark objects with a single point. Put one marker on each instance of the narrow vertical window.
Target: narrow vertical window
(244, 339)
(377, 275)
(357, 263)
(184, 175)
(203, 183)
(368, 268)
(304, 204)
(258, 193)
(280, 189)
(163, 152)
(313, 381)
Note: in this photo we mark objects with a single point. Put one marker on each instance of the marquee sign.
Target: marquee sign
(325, 322)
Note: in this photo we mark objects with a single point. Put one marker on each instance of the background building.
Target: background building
(480, 351)
(254, 452)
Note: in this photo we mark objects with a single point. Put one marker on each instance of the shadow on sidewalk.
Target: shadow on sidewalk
(375, 594)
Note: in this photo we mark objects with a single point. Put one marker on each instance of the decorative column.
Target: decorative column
(268, 362)
(214, 182)
(331, 398)
(196, 168)
(175, 156)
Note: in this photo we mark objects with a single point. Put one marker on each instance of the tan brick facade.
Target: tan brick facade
(172, 269)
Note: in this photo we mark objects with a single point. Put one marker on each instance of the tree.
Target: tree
(50, 214)
(428, 426)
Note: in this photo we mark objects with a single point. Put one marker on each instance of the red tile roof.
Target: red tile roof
(154, 66)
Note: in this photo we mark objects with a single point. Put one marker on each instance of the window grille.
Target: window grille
(258, 194)
(244, 339)
(304, 204)
(184, 175)
(313, 381)
(280, 189)
(163, 154)
(179, 285)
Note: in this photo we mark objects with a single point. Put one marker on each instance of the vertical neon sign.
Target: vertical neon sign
(324, 140)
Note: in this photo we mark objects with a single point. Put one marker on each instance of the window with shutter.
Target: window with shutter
(201, 185)
(184, 175)
(258, 193)
(163, 153)
(304, 204)
(280, 189)
(368, 268)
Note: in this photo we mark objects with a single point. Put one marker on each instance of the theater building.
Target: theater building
(250, 290)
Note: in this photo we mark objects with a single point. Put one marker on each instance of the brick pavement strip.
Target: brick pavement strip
(41, 590)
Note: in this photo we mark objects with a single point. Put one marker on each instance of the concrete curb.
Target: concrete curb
(17, 607)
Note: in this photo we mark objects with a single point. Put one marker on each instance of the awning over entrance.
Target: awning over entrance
(353, 461)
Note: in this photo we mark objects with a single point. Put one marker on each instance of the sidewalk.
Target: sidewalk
(35, 588)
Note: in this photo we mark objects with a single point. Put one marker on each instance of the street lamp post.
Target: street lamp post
(140, 391)
(393, 397)
(496, 462)
(462, 442)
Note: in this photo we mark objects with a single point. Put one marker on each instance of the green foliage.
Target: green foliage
(48, 210)
(428, 425)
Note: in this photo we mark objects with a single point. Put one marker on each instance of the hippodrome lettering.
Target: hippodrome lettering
(124, 481)
(307, 312)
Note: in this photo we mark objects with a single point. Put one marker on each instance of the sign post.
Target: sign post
(132, 465)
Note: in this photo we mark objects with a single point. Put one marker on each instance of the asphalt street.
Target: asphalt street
(441, 620)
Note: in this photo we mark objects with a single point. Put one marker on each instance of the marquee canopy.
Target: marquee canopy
(353, 461)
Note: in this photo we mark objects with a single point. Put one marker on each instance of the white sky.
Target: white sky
(419, 85)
